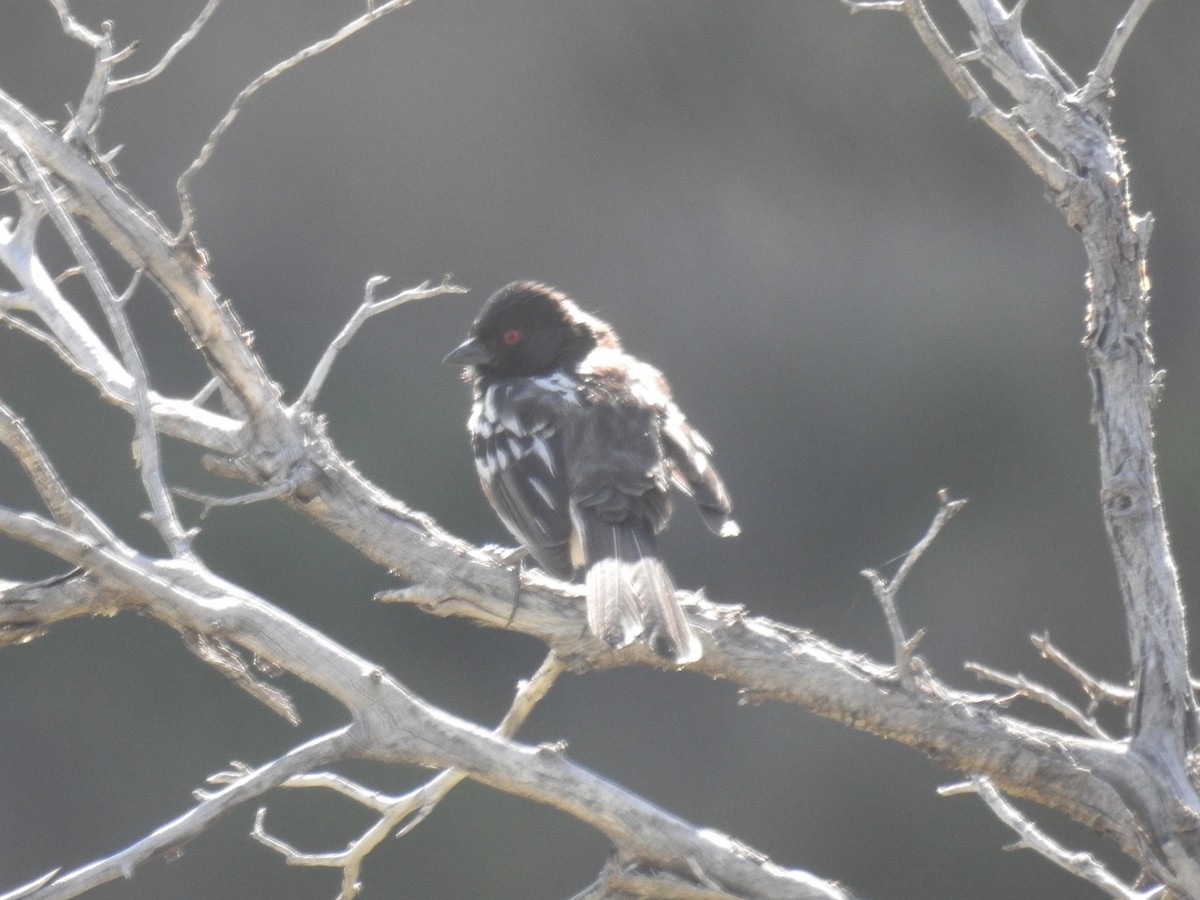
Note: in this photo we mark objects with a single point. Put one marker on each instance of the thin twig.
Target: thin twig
(321, 750)
(224, 657)
(1031, 690)
(857, 6)
(183, 185)
(19, 301)
(1049, 169)
(69, 272)
(28, 890)
(207, 391)
(184, 39)
(72, 337)
(91, 106)
(62, 504)
(368, 308)
(210, 502)
(1100, 80)
(1081, 865)
(173, 417)
(147, 457)
(885, 591)
(332, 781)
(295, 857)
(18, 244)
(410, 809)
(1096, 689)
(72, 27)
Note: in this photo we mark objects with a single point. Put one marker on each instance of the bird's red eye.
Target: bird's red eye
(512, 336)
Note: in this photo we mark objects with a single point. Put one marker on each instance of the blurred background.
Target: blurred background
(859, 294)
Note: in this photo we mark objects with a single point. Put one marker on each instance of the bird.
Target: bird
(577, 445)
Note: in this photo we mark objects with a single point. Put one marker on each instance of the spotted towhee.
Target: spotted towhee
(577, 444)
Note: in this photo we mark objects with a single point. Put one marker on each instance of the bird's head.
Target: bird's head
(528, 329)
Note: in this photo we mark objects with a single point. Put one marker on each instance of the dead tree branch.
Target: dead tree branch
(1082, 162)
(1136, 792)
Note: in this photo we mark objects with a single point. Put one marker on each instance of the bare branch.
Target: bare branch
(1023, 687)
(1084, 166)
(27, 609)
(1100, 80)
(139, 238)
(72, 27)
(410, 809)
(857, 6)
(452, 578)
(82, 125)
(209, 502)
(27, 890)
(44, 337)
(223, 657)
(1081, 865)
(368, 308)
(183, 185)
(421, 802)
(157, 69)
(317, 752)
(163, 515)
(101, 84)
(210, 388)
(886, 591)
(1096, 689)
(74, 340)
(187, 597)
(953, 66)
(1098, 782)
(65, 508)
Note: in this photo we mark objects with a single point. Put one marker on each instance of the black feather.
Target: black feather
(519, 456)
(577, 445)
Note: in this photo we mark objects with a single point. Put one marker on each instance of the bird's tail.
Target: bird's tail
(630, 594)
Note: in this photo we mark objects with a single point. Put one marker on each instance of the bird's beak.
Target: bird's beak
(469, 353)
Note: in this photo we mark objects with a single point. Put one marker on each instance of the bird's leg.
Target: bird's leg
(513, 557)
